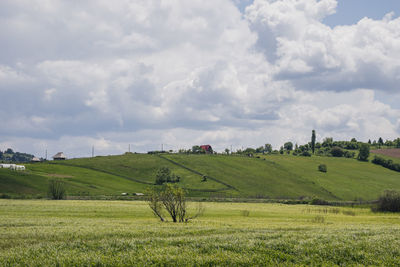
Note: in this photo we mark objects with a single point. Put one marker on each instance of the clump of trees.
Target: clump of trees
(164, 175)
(56, 189)
(170, 199)
(10, 156)
(363, 154)
(388, 201)
(387, 163)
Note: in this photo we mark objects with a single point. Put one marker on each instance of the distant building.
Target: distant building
(18, 168)
(35, 159)
(207, 148)
(13, 167)
(59, 156)
(7, 166)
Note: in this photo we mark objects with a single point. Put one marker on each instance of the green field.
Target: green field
(270, 176)
(124, 233)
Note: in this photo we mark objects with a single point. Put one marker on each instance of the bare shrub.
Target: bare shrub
(172, 199)
(56, 189)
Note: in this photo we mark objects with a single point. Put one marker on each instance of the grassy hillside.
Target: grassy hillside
(272, 176)
(286, 176)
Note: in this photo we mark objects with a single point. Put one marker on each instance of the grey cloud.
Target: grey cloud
(188, 72)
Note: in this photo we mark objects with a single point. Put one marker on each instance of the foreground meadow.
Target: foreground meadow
(124, 233)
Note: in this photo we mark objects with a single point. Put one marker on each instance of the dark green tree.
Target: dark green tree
(268, 148)
(363, 153)
(380, 141)
(336, 151)
(288, 146)
(164, 175)
(313, 141)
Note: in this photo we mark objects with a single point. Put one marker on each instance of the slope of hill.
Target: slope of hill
(272, 176)
(286, 176)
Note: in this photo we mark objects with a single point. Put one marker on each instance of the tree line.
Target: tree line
(10, 156)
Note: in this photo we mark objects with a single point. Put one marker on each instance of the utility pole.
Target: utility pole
(46, 155)
(129, 148)
(231, 149)
(92, 151)
(162, 147)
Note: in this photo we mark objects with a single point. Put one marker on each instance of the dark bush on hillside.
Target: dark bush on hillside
(318, 201)
(57, 189)
(322, 168)
(349, 154)
(337, 152)
(164, 175)
(305, 154)
(389, 201)
(363, 154)
(387, 163)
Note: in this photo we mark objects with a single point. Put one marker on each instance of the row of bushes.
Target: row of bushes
(387, 163)
(389, 201)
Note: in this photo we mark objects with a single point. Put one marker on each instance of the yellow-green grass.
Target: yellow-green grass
(124, 233)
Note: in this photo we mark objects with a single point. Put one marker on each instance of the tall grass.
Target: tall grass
(121, 233)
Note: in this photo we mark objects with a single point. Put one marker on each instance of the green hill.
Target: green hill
(272, 176)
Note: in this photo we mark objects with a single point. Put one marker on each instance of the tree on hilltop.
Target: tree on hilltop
(313, 141)
(364, 152)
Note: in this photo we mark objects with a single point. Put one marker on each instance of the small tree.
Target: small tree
(56, 189)
(164, 175)
(313, 141)
(363, 154)
(268, 148)
(288, 146)
(172, 199)
(380, 141)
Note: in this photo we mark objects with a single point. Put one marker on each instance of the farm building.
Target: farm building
(207, 148)
(13, 167)
(18, 168)
(6, 166)
(35, 159)
(59, 156)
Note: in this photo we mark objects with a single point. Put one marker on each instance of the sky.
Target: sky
(240, 73)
